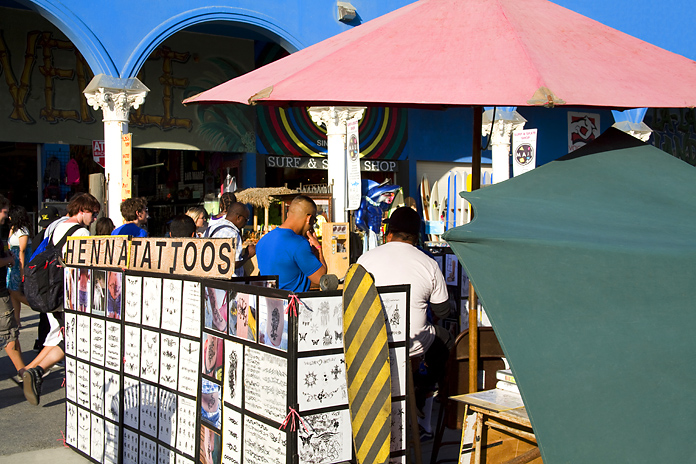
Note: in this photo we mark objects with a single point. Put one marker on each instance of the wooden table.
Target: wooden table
(500, 410)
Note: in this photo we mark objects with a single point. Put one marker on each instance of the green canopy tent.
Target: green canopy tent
(587, 269)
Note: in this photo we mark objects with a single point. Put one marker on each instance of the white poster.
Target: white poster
(523, 151)
(353, 165)
(265, 384)
(582, 129)
(321, 382)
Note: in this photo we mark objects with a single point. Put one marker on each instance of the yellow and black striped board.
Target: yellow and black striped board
(367, 367)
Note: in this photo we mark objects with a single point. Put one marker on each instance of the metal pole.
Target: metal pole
(473, 306)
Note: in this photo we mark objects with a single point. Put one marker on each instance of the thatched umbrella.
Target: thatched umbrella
(262, 197)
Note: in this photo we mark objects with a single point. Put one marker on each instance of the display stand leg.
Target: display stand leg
(412, 416)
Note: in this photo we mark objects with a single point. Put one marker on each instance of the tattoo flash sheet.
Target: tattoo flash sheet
(215, 309)
(191, 309)
(70, 334)
(320, 323)
(186, 426)
(134, 298)
(152, 301)
(273, 323)
(131, 352)
(149, 360)
(232, 439)
(265, 384)
(263, 444)
(189, 358)
(395, 308)
(243, 312)
(171, 305)
(169, 361)
(98, 292)
(98, 341)
(113, 359)
(321, 382)
(82, 335)
(326, 439)
(233, 367)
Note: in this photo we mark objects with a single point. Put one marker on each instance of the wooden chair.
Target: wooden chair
(456, 382)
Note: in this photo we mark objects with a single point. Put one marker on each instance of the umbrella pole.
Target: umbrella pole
(473, 307)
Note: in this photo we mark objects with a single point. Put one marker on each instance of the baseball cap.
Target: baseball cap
(47, 215)
(404, 219)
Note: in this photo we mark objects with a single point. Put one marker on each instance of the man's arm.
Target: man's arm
(314, 243)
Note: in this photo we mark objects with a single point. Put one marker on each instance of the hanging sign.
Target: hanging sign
(126, 166)
(98, 152)
(523, 151)
(353, 164)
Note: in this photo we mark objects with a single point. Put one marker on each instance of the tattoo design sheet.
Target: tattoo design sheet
(263, 444)
(167, 417)
(98, 341)
(191, 309)
(152, 301)
(327, 440)
(149, 360)
(321, 382)
(232, 439)
(130, 447)
(113, 359)
(71, 379)
(131, 351)
(320, 324)
(265, 384)
(395, 308)
(111, 443)
(97, 445)
(112, 387)
(171, 305)
(189, 358)
(134, 298)
(83, 380)
(97, 390)
(148, 451)
(398, 425)
(83, 335)
(131, 403)
(84, 424)
(186, 426)
(232, 387)
(70, 334)
(397, 361)
(71, 424)
(169, 361)
(149, 396)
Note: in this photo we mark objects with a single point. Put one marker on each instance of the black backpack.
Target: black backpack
(43, 276)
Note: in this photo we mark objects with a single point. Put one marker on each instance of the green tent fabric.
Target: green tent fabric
(586, 267)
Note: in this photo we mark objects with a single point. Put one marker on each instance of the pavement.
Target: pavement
(34, 434)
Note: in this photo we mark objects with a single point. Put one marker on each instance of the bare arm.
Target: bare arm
(314, 242)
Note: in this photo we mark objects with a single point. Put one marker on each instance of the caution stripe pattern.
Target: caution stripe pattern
(367, 367)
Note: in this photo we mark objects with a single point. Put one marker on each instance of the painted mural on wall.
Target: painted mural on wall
(291, 131)
(674, 131)
(42, 75)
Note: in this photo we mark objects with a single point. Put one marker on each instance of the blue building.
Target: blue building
(50, 50)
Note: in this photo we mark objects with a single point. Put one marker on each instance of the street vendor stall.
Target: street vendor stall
(175, 362)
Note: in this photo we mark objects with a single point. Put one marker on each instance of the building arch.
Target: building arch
(78, 32)
(253, 22)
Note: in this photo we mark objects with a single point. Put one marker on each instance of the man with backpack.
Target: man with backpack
(231, 227)
(83, 209)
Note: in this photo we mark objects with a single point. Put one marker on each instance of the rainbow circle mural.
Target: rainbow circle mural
(291, 131)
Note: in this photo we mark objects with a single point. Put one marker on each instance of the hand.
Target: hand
(251, 250)
(313, 240)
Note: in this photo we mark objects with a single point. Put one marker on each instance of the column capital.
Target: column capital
(115, 96)
(334, 116)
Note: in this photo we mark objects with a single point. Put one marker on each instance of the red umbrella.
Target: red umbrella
(473, 52)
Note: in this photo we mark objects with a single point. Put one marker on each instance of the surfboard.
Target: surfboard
(368, 373)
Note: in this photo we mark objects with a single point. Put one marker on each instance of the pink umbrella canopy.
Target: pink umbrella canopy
(472, 52)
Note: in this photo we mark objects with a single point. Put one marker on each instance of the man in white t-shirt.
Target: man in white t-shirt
(83, 209)
(231, 227)
(399, 262)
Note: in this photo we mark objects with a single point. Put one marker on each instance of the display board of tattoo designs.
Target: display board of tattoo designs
(165, 368)
(322, 398)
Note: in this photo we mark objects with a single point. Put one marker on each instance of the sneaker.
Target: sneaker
(17, 379)
(32, 384)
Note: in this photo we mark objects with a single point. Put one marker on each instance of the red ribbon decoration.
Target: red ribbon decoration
(294, 304)
(291, 416)
(62, 439)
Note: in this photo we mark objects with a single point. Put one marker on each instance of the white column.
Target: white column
(115, 97)
(334, 119)
(506, 122)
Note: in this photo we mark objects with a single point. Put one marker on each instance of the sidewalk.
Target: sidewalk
(33, 434)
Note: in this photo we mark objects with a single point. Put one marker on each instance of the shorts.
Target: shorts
(9, 331)
(55, 333)
(83, 298)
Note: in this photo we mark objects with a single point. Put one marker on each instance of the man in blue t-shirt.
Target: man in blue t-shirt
(134, 212)
(292, 251)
